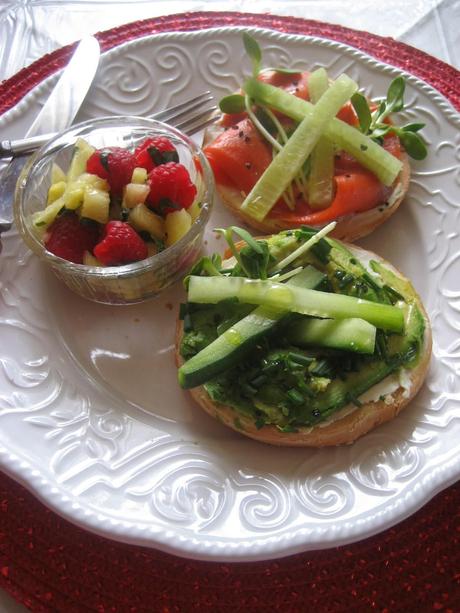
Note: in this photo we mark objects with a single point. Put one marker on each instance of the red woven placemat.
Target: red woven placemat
(50, 565)
(443, 77)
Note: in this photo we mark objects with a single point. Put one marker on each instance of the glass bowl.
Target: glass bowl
(129, 283)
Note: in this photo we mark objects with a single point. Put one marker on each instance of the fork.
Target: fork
(190, 116)
(183, 116)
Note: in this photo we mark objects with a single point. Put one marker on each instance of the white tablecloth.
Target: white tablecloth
(31, 28)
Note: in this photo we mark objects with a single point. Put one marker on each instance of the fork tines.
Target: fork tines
(183, 109)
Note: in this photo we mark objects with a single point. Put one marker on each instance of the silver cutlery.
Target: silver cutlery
(185, 116)
(57, 113)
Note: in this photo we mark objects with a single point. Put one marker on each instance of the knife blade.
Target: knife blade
(57, 113)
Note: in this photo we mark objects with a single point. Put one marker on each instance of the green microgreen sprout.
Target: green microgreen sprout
(232, 104)
(254, 53)
(209, 266)
(254, 258)
(373, 122)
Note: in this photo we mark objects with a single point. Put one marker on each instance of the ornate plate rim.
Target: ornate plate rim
(261, 548)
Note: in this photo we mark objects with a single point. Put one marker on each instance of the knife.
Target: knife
(56, 115)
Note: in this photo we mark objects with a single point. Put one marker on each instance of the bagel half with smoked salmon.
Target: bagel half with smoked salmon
(361, 202)
(348, 164)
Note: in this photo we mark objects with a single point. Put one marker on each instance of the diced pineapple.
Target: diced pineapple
(177, 224)
(73, 196)
(96, 204)
(55, 191)
(139, 175)
(83, 151)
(57, 174)
(135, 193)
(143, 219)
(90, 260)
(194, 210)
(89, 179)
(47, 215)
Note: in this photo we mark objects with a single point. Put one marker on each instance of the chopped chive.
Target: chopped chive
(353, 399)
(287, 428)
(321, 369)
(259, 423)
(188, 326)
(270, 367)
(300, 358)
(295, 396)
(346, 280)
(393, 294)
(259, 380)
(248, 390)
(370, 281)
(381, 346)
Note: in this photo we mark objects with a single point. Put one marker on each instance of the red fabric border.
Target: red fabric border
(442, 76)
(51, 565)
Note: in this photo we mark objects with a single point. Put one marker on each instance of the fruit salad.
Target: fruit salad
(115, 206)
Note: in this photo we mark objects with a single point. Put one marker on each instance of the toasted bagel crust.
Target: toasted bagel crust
(357, 422)
(349, 228)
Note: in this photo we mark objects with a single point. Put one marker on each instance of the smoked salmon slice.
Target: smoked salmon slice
(240, 155)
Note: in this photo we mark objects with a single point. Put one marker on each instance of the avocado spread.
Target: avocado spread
(275, 377)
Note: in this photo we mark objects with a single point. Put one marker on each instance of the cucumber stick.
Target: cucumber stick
(340, 392)
(320, 180)
(371, 155)
(229, 347)
(351, 334)
(295, 299)
(288, 162)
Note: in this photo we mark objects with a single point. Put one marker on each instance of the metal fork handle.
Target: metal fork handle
(25, 146)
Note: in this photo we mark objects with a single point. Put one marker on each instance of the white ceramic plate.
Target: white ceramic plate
(92, 419)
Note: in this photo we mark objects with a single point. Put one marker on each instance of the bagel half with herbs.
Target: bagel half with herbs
(290, 379)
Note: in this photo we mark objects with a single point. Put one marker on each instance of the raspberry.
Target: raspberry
(121, 244)
(95, 166)
(155, 151)
(114, 164)
(68, 238)
(170, 188)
